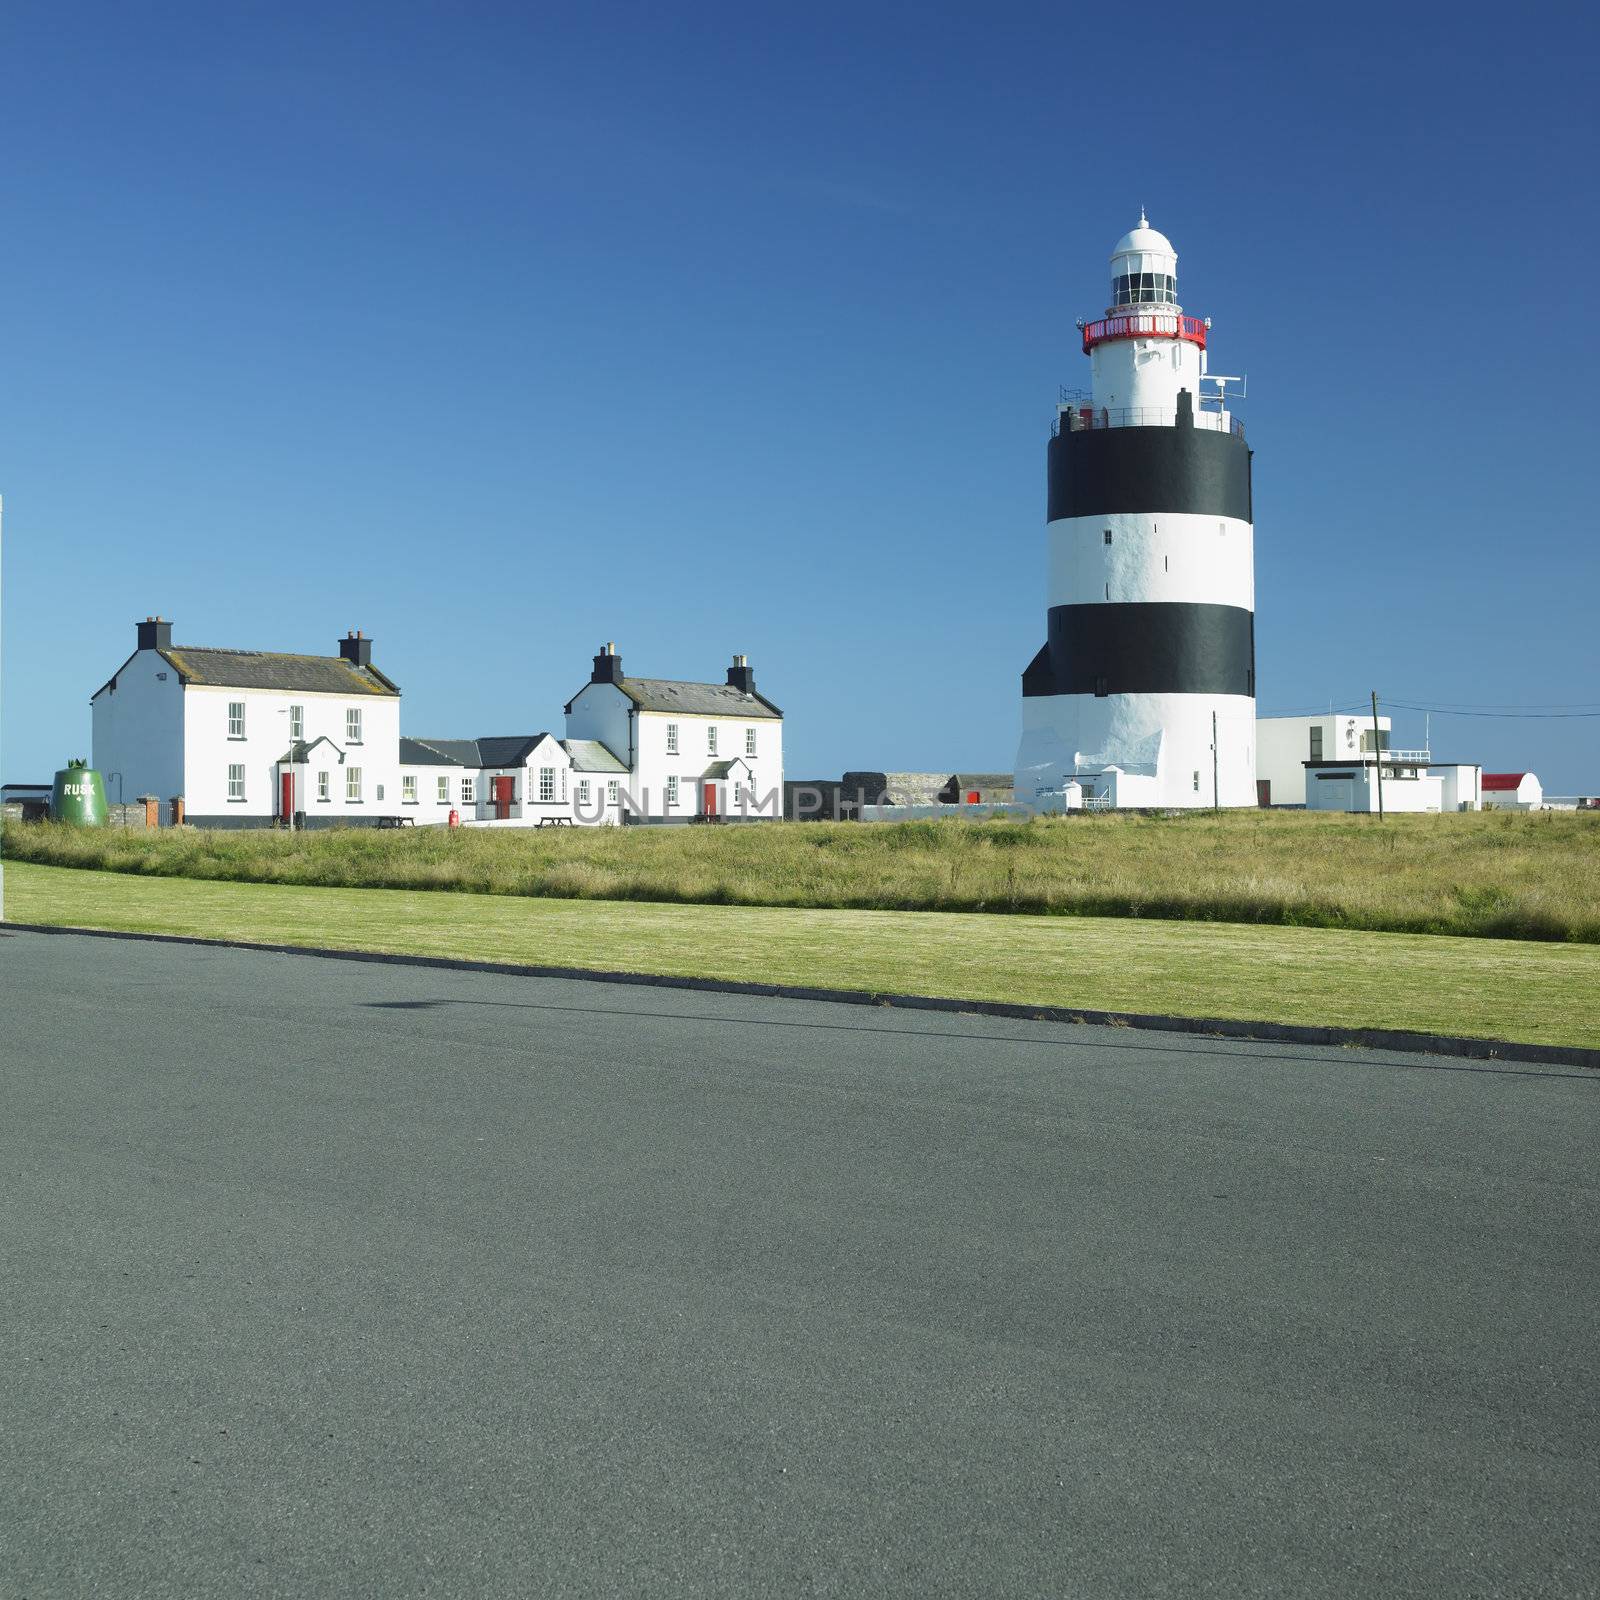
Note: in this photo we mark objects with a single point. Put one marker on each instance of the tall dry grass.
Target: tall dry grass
(1496, 874)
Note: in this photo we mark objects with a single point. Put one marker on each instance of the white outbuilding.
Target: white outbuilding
(1512, 791)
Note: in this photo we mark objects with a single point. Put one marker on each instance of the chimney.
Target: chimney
(155, 633)
(740, 676)
(356, 649)
(607, 665)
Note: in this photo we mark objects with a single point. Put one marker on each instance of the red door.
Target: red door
(502, 797)
(286, 796)
(1263, 791)
(709, 799)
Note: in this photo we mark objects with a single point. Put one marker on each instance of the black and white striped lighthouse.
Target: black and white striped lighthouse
(1144, 691)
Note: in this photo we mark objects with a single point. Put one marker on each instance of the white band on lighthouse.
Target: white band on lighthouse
(1143, 693)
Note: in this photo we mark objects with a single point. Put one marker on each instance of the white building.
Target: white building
(240, 737)
(1144, 691)
(1326, 763)
(690, 749)
(245, 738)
(1512, 791)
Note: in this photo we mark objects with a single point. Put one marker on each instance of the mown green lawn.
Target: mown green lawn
(1493, 988)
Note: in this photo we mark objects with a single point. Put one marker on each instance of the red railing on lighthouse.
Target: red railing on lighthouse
(1144, 325)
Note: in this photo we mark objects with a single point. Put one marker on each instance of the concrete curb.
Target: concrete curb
(1442, 1044)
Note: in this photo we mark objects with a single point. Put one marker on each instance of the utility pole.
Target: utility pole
(2, 867)
(1377, 754)
(1216, 792)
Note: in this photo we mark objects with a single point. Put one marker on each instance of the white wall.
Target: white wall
(1528, 796)
(1425, 792)
(1172, 556)
(1283, 746)
(209, 750)
(137, 729)
(1462, 787)
(1166, 737)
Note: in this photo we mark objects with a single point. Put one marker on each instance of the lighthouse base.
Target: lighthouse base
(1136, 751)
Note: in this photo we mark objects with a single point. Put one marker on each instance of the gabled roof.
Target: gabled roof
(497, 750)
(1503, 780)
(266, 669)
(695, 699)
(300, 750)
(589, 755)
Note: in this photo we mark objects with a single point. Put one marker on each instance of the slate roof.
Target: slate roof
(589, 755)
(696, 699)
(267, 669)
(724, 769)
(434, 752)
(497, 750)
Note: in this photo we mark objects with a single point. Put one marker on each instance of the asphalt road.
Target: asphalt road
(338, 1279)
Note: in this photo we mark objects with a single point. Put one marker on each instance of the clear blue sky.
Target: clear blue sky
(501, 330)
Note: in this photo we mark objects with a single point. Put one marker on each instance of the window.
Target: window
(297, 722)
(236, 719)
(547, 783)
(672, 790)
(1143, 287)
(466, 792)
(1100, 688)
(441, 789)
(380, 792)
(352, 725)
(408, 788)
(1316, 744)
(749, 741)
(352, 785)
(1197, 783)
(322, 786)
(563, 783)
(583, 791)
(611, 791)
(672, 738)
(1108, 536)
(236, 782)
(711, 738)
(738, 797)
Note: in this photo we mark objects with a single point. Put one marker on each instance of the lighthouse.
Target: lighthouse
(1143, 693)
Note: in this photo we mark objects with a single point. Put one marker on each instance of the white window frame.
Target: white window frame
(236, 719)
(441, 788)
(547, 785)
(352, 725)
(467, 790)
(564, 785)
(352, 786)
(672, 738)
(408, 788)
(613, 789)
(297, 722)
(235, 782)
(672, 790)
(324, 788)
(749, 741)
(583, 791)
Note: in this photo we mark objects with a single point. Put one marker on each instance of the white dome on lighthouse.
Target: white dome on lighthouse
(1144, 267)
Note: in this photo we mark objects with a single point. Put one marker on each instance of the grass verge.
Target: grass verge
(1505, 989)
(1494, 875)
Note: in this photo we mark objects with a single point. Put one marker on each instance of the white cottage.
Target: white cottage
(243, 738)
(690, 750)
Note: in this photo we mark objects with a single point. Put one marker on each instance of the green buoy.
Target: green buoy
(79, 796)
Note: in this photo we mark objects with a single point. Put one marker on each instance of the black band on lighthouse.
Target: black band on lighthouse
(1158, 647)
(1101, 471)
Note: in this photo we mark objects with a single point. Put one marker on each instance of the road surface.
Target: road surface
(345, 1279)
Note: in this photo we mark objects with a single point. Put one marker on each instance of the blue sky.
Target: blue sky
(502, 330)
